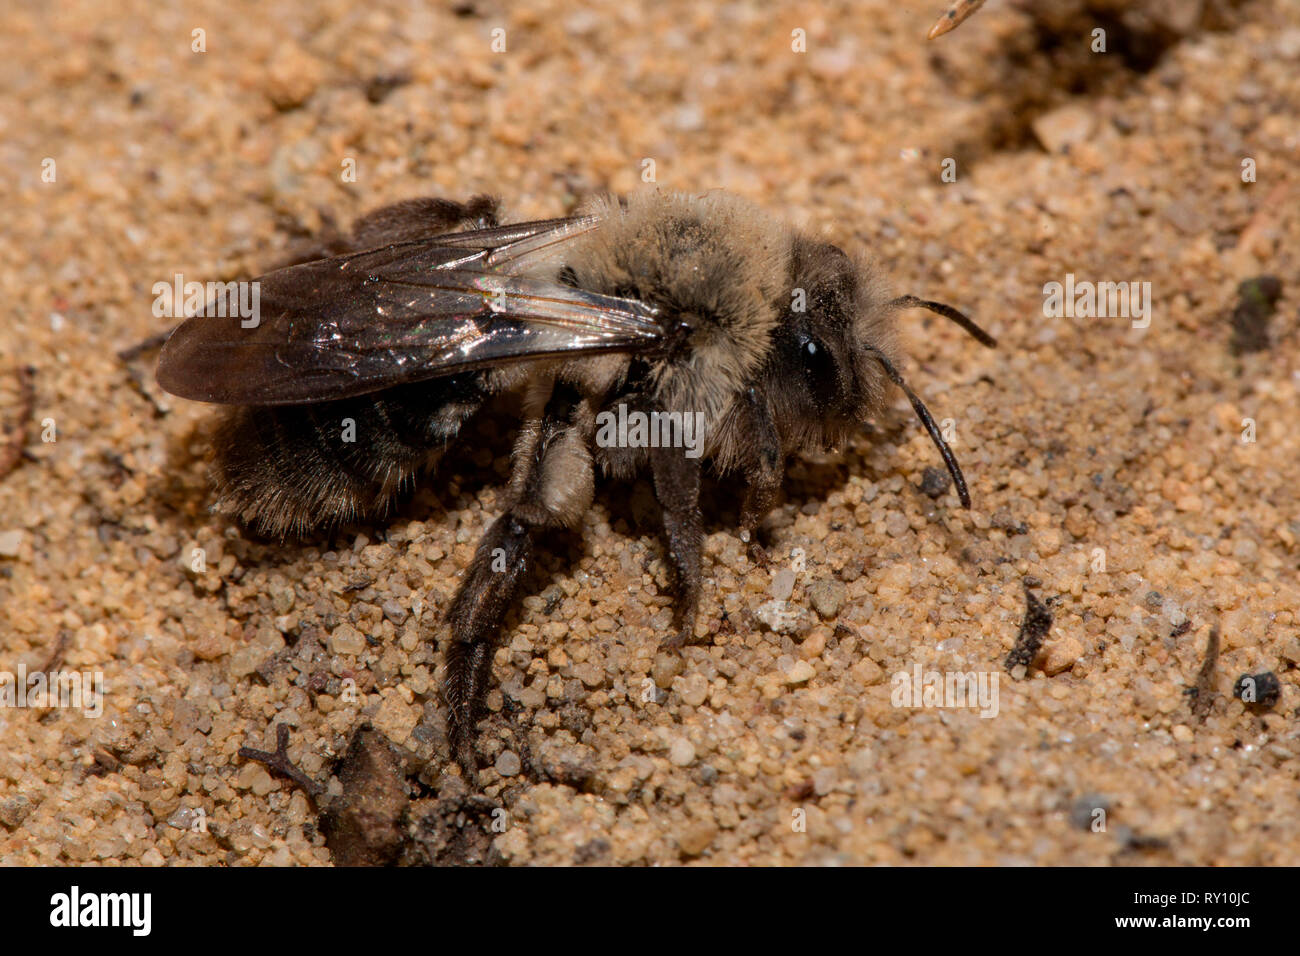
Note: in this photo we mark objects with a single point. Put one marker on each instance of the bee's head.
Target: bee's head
(835, 351)
(822, 379)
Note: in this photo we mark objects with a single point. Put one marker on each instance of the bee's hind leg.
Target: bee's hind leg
(486, 594)
(422, 218)
(551, 486)
(405, 221)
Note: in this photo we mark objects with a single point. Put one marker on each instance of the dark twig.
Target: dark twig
(953, 16)
(55, 660)
(138, 378)
(147, 345)
(1202, 692)
(1034, 628)
(12, 450)
(279, 762)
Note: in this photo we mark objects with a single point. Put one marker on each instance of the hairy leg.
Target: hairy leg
(764, 473)
(402, 221)
(488, 591)
(551, 486)
(677, 486)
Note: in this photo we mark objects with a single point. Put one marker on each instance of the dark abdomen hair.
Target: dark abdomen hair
(288, 469)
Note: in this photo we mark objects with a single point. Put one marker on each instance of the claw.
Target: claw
(466, 760)
(678, 639)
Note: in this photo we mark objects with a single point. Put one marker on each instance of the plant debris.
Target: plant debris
(1033, 630)
(1202, 691)
(954, 16)
(279, 762)
(1256, 302)
(12, 450)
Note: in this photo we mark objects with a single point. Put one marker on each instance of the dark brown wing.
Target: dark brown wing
(414, 310)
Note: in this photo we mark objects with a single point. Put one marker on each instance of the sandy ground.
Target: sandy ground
(1107, 462)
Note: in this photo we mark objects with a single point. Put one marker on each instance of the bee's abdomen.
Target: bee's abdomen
(287, 469)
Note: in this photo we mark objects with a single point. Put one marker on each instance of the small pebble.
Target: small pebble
(826, 597)
(935, 482)
(695, 839)
(394, 611)
(800, 673)
(508, 763)
(783, 584)
(681, 753)
(1060, 655)
(666, 666)
(1084, 811)
(782, 617)
(1261, 691)
(1064, 126)
(14, 810)
(10, 542)
(346, 639)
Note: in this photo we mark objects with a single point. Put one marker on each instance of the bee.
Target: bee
(659, 304)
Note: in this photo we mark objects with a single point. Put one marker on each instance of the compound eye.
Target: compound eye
(818, 364)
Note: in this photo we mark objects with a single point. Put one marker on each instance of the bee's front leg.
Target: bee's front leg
(677, 486)
(764, 473)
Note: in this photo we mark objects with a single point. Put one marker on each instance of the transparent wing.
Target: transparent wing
(407, 311)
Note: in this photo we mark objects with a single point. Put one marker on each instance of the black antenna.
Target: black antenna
(927, 420)
(948, 312)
